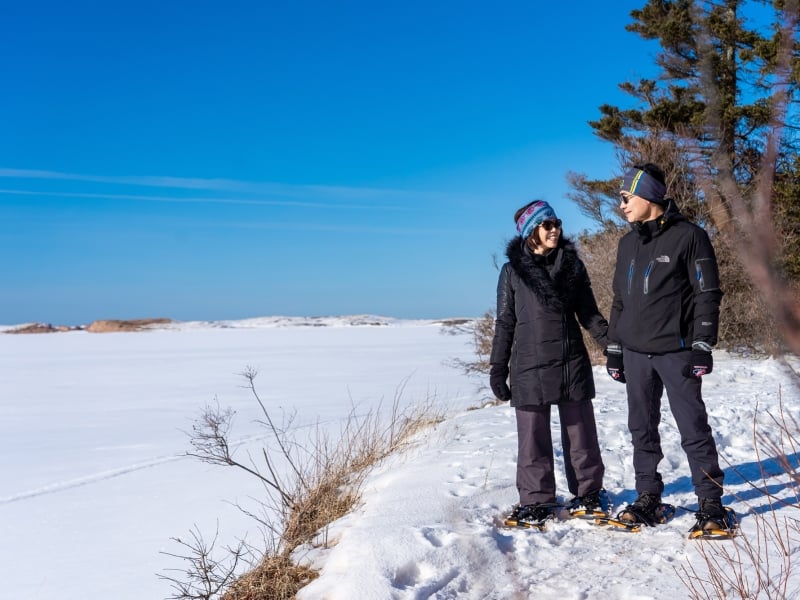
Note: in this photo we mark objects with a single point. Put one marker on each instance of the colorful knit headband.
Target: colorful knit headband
(533, 216)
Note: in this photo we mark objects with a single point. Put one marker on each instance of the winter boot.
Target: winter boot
(713, 519)
(532, 515)
(591, 505)
(645, 509)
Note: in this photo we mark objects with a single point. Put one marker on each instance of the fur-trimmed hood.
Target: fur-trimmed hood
(553, 278)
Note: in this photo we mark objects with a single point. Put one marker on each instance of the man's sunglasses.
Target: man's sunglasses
(548, 225)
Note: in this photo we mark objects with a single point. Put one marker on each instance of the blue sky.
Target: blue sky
(209, 160)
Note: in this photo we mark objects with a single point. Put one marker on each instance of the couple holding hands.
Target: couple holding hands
(660, 333)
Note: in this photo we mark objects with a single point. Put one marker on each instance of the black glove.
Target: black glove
(497, 381)
(700, 361)
(614, 366)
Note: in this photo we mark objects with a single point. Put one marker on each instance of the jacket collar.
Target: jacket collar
(654, 228)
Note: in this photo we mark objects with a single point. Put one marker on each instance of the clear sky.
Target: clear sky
(224, 160)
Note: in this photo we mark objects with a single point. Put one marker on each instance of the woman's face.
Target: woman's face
(548, 234)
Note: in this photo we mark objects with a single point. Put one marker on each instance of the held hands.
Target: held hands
(614, 365)
(497, 381)
(700, 361)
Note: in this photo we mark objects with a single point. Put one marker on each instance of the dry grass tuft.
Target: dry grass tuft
(317, 508)
(276, 578)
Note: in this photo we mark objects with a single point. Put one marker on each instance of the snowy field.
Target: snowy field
(95, 481)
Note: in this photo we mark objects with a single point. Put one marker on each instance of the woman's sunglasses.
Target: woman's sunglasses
(548, 225)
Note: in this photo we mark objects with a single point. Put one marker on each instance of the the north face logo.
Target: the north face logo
(663, 258)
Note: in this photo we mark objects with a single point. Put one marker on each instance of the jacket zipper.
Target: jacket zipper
(647, 272)
(565, 358)
(630, 275)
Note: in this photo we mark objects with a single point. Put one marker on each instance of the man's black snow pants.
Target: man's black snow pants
(647, 375)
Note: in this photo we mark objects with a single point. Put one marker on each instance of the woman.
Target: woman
(543, 292)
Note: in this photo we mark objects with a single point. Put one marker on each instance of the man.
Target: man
(663, 325)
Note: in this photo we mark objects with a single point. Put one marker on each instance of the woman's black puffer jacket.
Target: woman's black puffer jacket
(537, 340)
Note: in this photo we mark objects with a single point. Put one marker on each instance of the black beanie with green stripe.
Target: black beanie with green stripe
(642, 184)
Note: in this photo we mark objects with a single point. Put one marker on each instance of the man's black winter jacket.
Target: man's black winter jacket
(666, 287)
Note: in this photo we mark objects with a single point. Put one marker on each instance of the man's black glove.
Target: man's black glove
(497, 381)
(614, 366)
(700, 361)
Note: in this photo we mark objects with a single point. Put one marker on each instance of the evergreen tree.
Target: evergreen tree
(710, 109)
(728, 80)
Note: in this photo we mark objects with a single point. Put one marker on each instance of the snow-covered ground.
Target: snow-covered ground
(95, 481)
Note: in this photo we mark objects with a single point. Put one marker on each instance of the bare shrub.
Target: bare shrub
(745, 321)
(309, 483)
(452, 325)
(482, 332)
(598, 252)
(758, 565)
(205, 576)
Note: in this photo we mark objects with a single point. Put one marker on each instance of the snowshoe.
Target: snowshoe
(532, 516)
(715, 526)
(646, 511)
(590, 506)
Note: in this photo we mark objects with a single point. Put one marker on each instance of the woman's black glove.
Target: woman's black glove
(497, 381)
(614, 365)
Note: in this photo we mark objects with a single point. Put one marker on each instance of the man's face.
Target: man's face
(635, 208)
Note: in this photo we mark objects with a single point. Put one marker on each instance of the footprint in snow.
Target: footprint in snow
(438, 537)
